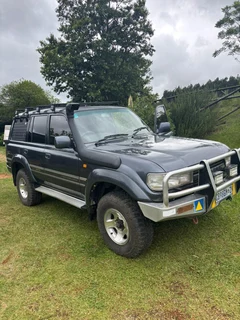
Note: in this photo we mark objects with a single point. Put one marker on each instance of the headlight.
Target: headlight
(155, 180)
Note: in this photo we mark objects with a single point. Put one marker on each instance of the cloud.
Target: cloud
(185, 38)
(201, 42)
(22, 25)
(174, 64)
(26, 20)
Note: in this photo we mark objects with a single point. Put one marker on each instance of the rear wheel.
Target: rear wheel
(26, 191)
(122, 225)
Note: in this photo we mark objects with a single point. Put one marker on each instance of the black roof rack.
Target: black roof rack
(18, 111)
(98, 103)
(38, 108)
(70, 107)
(28, 109)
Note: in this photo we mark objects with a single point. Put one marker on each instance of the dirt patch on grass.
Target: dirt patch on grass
(162, 312)
(34, 288)
(3, 222)
(7, 259)
(4, 176)
(178, 288)
(155, 313)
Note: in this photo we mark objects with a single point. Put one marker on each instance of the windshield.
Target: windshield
(94, 125)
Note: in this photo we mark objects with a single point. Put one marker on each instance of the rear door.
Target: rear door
(62, 165)
(35, 145)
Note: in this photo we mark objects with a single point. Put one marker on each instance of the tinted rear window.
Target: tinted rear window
(39, 129)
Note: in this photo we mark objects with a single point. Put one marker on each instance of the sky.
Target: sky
(184, 39)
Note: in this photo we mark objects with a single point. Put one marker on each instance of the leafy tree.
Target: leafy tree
(230, 30)
(144, 107)
(187, 117)
(19, 95)
(103, 50)
(51, 97)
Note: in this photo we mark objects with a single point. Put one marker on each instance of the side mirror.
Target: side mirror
(164, 127)
(62, 142)
(160, 116)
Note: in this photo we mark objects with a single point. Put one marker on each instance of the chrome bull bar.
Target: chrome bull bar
(205, 164)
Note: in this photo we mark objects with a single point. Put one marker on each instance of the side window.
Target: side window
(58, 127)
(19, 130)
(39, 129)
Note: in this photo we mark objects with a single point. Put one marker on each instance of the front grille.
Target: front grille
(218, 166)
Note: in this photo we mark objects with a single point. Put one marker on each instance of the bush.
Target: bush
(187, 118)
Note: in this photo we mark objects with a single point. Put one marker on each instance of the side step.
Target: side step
(61, 196)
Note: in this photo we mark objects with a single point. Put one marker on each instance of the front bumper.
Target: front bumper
(197, 200)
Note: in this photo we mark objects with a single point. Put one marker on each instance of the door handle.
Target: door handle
(47, 155)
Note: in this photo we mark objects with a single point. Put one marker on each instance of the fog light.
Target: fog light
(228, 161)
(232, 170)
(218, 177)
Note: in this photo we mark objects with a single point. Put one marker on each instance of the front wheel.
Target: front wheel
(122, 225)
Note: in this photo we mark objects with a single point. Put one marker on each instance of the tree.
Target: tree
(230, 33)
(19, 95)
(51, 97)
(186, 116)
(103, 50)
(144, 107)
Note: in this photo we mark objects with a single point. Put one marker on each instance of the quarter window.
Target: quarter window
(19, 130)
(39, 129)
(58, 127)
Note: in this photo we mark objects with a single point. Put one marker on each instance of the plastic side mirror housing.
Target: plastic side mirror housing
(164, 127)
(62, 142)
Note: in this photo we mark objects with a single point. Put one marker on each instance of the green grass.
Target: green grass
(54, 264)
(3, 168)
(229, 132)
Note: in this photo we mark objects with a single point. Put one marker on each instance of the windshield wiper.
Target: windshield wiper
(139, 129)
(111, 137)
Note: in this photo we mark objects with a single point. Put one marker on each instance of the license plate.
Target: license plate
(223, 194)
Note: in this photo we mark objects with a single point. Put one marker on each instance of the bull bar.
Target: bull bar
(168, 209)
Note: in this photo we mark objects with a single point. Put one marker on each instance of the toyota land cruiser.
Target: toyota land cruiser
(107, 160)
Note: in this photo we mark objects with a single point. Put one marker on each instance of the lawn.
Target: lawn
(3, 168)
(54, 264)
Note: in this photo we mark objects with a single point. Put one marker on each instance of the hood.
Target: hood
(170, 153)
